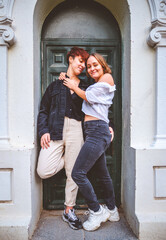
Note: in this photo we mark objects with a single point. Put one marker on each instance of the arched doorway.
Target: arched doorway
(91, 26)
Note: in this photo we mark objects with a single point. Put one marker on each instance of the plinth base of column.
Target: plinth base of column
(20, 194)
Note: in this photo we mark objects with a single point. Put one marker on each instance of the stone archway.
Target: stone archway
(121, 13)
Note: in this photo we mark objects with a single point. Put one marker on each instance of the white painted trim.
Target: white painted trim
(157, 40)
(7, 38)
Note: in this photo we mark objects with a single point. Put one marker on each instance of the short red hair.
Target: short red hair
(75, 51)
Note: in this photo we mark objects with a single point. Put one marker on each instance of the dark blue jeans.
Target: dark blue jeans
(92, 154)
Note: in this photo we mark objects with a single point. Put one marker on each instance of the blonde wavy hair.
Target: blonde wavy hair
(102, 62)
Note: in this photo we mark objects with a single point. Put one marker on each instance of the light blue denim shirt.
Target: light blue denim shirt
(99, 96)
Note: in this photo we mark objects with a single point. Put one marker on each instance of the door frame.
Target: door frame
(46, 43)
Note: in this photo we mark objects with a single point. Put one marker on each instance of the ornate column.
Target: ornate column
(6, 40)
(157, 40)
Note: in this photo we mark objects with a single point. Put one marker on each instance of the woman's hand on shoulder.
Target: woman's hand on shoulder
(71, 84)
(62, 76)
(107, 77)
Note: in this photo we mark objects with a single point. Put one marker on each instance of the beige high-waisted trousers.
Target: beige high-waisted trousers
(63, 153)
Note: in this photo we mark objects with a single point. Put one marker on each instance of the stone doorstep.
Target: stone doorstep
(50, 224)
(59, 212)
(49, 213)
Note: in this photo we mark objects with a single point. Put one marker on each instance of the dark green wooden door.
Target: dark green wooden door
(53, 62)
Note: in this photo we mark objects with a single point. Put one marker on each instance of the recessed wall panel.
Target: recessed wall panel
(160, 182)
(5, 185)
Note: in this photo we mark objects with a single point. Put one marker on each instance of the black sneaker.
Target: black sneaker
(72, 219)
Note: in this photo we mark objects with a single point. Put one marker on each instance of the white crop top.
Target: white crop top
(99, 96)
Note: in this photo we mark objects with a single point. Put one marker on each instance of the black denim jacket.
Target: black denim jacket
(53, 107)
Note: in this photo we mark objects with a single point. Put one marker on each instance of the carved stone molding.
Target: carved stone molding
(6, 7)
(157, 36)
(158, 12)
(163, 6)
(6, 35)
(6, 32)
(1, 4)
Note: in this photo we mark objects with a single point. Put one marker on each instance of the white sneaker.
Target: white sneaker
(96, 218)
(114, 215)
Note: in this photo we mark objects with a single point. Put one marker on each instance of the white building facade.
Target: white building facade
(143, 174)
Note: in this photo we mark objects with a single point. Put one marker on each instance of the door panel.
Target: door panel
(53, 62)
